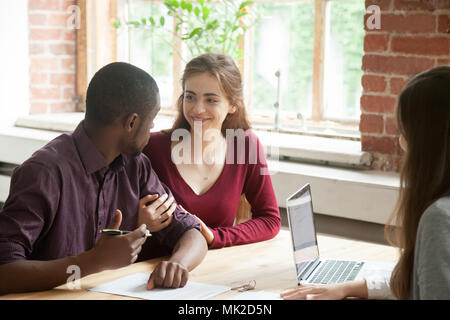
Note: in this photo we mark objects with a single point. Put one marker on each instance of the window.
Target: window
(285, 41)
(14, 78)
(304, 55)
(148, 50)
(344, 37)
(283, 44)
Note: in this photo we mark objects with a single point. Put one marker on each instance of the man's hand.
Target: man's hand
(157, 215)
(112, 252)
(188, 252)
(168, 274)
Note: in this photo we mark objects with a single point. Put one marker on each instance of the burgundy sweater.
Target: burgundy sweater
(217, 207)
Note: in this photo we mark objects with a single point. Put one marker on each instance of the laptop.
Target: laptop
(310, 268)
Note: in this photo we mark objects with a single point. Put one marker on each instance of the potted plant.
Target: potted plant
(202, 25)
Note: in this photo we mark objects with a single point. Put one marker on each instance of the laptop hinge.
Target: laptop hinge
(309, 269)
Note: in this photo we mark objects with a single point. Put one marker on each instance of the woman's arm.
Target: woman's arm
(258, 228)
(265, 222)
(336, 291)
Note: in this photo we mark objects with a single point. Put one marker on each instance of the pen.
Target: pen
(114, 232)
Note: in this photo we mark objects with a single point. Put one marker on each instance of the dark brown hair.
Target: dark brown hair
(119, 89)
(223, 68)
(423, 118)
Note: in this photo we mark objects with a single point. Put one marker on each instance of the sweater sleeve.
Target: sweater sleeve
(432, 253)
(265, 222)
(378, 287)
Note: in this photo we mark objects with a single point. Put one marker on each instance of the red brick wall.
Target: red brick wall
(52, 56)
(414, 36)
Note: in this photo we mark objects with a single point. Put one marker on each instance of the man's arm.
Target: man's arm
(110, 252)
(182, 235)
(188, 252)
(29, 275)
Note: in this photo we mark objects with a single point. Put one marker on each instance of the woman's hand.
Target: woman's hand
(335, 291)
(206, 232)
(157, 215)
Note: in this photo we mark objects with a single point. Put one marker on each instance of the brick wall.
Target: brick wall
(52, 56)
(414, 37)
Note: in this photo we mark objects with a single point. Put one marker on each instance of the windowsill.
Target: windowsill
(61, 122)
(311, 149)
(325, 128)
(284, 146)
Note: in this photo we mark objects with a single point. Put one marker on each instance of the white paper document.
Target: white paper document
(257, 295)
(135, 285)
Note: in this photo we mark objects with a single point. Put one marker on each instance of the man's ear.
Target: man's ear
(132, 122)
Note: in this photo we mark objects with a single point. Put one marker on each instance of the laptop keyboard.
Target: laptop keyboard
(333, 271)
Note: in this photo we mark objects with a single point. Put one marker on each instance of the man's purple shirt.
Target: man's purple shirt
(63, 195)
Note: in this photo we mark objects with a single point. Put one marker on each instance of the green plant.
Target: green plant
(203, 25)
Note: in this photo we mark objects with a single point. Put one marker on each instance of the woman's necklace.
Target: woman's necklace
(214, 158)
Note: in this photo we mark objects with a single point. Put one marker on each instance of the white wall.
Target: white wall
(14, 61)
(365, 195)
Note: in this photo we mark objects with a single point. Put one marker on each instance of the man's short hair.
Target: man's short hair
(120, 89)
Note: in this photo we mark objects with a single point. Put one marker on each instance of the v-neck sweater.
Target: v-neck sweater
(217, 207)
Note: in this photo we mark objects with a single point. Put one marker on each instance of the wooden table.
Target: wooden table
(269, 263)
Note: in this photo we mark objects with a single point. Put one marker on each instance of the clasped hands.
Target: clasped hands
(159, 214)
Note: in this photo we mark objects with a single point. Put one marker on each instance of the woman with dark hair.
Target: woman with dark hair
(422, 214)
(212, 161)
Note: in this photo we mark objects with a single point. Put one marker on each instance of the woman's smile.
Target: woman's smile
(199, 119)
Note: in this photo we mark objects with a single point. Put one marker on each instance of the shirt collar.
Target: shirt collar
(90, 156)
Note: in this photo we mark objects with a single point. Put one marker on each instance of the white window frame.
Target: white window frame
(14, 62)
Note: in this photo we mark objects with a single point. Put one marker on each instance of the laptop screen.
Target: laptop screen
(301, 223)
